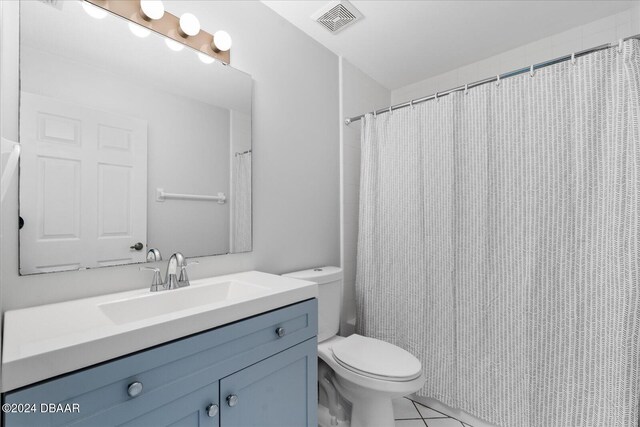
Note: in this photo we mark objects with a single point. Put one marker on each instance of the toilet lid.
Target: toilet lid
(376, 358)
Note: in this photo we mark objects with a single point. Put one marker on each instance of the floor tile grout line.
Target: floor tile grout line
(416, 408)
(419, 413)
(435, 410)
(434, 418)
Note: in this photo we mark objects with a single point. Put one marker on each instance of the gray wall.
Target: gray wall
(295, 157)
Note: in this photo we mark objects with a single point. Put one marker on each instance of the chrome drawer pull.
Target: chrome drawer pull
(232, 400)
(134, 389)
(212, 410)
(280, 332)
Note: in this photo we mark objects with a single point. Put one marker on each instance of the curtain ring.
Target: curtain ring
(375, 113)
(573, 58)
(436, 97)
(390, 111)
(411, 104)
(620, 45)
(532, 71)
(466, 88)
(498, 80)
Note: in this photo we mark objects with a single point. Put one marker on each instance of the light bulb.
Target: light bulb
(139, 30)
(151, 9)
(205, 58)
(174, 45)
(221, 41)
(189, 25)
(93, 10)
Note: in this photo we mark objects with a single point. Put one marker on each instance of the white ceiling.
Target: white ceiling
(401, 42)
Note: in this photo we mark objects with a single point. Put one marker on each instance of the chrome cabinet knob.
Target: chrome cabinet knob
(134, 389)
(232, 400)
(212, 410)
(280, 332)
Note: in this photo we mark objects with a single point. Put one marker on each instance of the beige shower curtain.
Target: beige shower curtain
(499, 242)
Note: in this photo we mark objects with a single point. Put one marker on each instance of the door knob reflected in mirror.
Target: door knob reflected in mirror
(138, 246)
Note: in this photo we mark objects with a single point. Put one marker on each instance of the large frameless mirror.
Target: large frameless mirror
(127, 144)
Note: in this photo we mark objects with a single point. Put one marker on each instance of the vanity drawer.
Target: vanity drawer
(166, 372)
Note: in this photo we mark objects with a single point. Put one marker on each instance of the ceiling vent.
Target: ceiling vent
(337, 15)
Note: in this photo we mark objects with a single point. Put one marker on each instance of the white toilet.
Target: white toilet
(367, 372)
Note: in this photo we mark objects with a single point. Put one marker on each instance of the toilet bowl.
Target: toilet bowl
(367, 372)
(388, 373)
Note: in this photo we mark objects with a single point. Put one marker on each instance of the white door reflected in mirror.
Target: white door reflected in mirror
(84, 185)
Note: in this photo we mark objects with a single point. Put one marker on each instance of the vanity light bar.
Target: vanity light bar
(184, 31)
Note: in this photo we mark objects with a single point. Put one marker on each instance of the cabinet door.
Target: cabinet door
(280, 391)
(191, 410)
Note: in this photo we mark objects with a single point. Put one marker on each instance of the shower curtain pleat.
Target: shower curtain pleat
(241, 230)
(498, 242)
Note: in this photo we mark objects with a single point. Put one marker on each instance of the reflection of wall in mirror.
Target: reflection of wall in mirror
(188, 147)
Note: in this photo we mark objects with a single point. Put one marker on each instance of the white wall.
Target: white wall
(359, 93)
(605, 30)
(295, 158)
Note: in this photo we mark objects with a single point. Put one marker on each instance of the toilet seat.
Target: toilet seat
(376, 359)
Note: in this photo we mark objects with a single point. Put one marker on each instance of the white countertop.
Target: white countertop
(45, 341)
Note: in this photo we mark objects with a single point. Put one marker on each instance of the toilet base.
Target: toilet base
(370, 408)
(372, 413)
(326, 420)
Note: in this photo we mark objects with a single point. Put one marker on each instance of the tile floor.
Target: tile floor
(413, 414)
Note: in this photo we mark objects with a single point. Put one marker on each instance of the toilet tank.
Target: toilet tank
(329, 280)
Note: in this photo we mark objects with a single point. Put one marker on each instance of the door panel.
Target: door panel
(277, 392)
(185, 411)
(83, 182)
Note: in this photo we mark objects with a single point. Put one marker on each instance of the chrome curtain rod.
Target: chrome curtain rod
(468, 86)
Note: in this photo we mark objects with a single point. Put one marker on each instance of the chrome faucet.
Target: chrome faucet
(171, 278)
(153, 255)
(176, 276)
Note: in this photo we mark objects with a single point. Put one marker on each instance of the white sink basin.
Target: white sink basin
(166, 302)
(49, 340)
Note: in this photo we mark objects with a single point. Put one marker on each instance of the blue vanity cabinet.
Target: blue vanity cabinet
(199, 408)
(277, 392)
(268, 361)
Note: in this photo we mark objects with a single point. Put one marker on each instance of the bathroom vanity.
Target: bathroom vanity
(249, 358)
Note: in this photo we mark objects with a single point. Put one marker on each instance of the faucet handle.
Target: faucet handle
(156, 282)
(184, 278)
